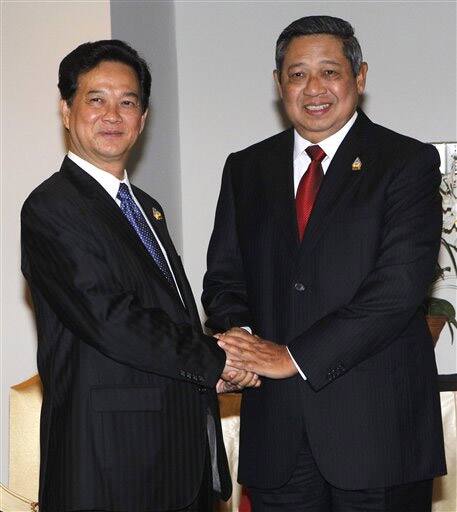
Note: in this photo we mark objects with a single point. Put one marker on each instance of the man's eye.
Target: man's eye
(330, 73)
(95, 100)
(128, 103)
(298, 75)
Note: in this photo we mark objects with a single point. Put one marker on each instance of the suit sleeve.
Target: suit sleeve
(224, 290)
(394, 290)
(61, 257)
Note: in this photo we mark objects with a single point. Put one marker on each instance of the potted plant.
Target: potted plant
(441, 311)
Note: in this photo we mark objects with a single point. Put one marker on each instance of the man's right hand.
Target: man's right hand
(234, 380)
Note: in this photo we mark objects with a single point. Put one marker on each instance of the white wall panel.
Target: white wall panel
(35, 37)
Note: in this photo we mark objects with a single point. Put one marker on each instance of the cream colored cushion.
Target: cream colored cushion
(445, 487)
(25, 408)
(13, 502)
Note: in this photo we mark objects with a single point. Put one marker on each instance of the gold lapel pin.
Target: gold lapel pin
(357, 164)
(157, 215)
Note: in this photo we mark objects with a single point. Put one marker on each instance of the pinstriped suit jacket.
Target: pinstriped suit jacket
(127, 372)
(346, 301)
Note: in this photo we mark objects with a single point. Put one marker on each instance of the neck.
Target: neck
(115, 168)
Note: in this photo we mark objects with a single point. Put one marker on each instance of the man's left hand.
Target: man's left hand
(251, 353)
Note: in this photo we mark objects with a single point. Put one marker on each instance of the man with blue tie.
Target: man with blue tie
(130, 416)
(324, 245)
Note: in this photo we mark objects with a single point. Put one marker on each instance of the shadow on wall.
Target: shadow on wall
(28, 301)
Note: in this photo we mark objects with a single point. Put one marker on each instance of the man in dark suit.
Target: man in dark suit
(130, 417)
(329, 268)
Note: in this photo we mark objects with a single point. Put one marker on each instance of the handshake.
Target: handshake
(249, 358)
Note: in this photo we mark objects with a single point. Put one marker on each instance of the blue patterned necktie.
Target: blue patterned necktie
(135, 217)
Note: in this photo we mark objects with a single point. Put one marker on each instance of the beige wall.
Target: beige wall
(35, 37)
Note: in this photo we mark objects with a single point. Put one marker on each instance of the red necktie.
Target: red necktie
(308, 187)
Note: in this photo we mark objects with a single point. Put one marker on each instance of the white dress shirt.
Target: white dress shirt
(330, 146)
(111, 184)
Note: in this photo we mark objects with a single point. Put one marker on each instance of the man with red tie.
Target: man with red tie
(324, 245)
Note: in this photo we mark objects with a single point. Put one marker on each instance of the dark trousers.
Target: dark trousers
(307, 491)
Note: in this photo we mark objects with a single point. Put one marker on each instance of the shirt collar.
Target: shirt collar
(107, 180)
(330, 145)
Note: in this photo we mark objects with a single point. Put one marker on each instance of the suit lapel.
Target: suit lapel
(157, 219)
(339, 183)
(279, 186)
(107, 210)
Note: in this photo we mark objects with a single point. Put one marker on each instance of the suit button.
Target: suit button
(202, 390)
(300, 287)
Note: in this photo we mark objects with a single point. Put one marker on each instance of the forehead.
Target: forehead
(110, 74)
(315, 46)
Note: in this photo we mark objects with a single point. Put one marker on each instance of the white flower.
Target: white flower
(449, 196)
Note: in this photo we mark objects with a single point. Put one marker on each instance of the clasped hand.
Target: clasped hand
(236, 379)
(257, 356)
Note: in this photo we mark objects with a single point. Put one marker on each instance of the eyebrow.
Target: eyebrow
(326, 61)
(129, 94)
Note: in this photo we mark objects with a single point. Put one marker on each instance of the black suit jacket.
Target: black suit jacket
(346, 301)
(128, 375)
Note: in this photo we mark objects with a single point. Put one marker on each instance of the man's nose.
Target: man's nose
(111, 114)
(314, 86)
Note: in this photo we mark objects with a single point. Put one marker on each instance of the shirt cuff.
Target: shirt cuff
(296, 365)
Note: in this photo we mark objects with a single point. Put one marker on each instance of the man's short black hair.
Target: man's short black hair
(89, 55)
(311, 25)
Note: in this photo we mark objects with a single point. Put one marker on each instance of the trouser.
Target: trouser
(308, 491)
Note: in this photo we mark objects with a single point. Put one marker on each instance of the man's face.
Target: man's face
(317, 86)
(105, 117)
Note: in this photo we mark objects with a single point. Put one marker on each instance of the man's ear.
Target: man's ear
(277, 79)
(143, 119)
(361, 77)
(65, 111)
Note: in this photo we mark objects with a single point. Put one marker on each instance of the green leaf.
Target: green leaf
(441, 307)
(450, 249)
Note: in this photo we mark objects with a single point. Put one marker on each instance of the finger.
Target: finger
(247, 379)
(231, 339)
(239, 377)
(230, 376)
(250, 380)
(228, 373)
(241, 364)
(235, 330)
(235, 342)
(220, 386)
(239, 353)
(240, 332)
